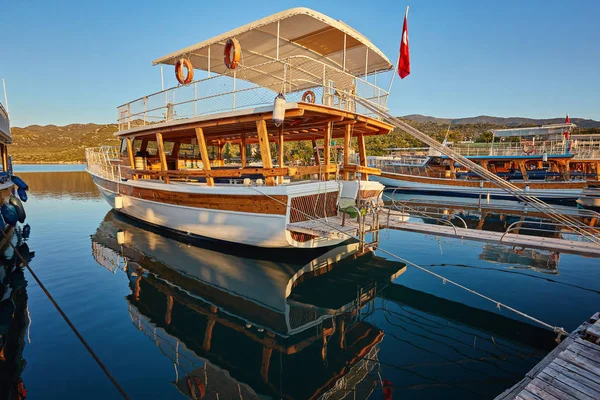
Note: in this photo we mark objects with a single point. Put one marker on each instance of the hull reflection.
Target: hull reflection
(236, 323)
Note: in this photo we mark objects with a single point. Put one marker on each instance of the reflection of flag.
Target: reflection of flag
(404, 60)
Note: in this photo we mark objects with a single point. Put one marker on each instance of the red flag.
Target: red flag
(567, 121)
(404, 60)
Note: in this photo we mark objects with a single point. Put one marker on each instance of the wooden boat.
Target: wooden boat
(227, 320)
(546, 168)
(163, 173)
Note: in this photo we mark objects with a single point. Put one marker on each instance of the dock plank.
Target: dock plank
(580, 362)
(570, 371)
(555, 381)
(582, 379)
(551, 390)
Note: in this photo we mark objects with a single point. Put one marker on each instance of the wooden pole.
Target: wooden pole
(243, 150)
(362, 153)
(220, 154)
(265, 150)
(204, 154)
(316, 152)
(160, 148)
(280, 161)
(347, 131)
(130, 153)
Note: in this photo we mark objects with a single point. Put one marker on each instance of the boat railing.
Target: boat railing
(4, 121)
(581, 149)
(299, 78)
(543, 226)
(104, 161)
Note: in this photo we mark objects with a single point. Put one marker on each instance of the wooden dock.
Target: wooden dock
(333, 227)
(570, 371)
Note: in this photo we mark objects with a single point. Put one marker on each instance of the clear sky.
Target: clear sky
(75, 61)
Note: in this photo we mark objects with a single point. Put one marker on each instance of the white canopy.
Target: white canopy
(294, 32)
(545, 130)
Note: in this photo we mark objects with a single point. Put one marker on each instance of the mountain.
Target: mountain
(51, 143)
(506, 121)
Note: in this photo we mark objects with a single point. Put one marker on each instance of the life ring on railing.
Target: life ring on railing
(528, 149)
(189, 76)
(232, 53)
(309, 96)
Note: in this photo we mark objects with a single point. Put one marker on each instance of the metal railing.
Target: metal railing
(104, 162)
(581, 149)
(255, 86)
(542, 226)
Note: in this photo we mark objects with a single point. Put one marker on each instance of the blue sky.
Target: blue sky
(76, 61)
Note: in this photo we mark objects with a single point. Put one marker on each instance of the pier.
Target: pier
(340, 227)
(570, 371)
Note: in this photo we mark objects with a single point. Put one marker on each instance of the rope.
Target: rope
(559, 330)
(68, 321)
(577, 226)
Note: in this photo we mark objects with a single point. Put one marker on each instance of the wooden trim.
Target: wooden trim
(4, 158)
(237, 173)
(359, 168)
(347, 131)
(280, 160)
(362, 152)
(265, 150)
(160, 148)
(204, 154)
(258, 204)
(477, 183)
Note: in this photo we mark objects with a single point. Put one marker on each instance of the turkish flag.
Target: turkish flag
(567, 121)
(404, 60)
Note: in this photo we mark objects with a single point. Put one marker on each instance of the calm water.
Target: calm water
(165, 315)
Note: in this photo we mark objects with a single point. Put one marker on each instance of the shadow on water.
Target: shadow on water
(14, 317)
(237, 323)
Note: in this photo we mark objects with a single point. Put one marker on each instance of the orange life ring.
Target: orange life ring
(195, 387)
(309, 96)
(181, 64)
(232, 58)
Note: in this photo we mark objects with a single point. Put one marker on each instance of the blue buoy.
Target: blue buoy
(22, 194)
(16, 203)
(19, 182)
(9, 213)
(2, 224)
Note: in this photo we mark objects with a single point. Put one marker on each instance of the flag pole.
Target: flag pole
(397, 60)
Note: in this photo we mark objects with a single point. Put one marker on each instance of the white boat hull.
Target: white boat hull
(261, 229)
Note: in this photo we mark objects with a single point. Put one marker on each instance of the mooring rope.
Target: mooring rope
(559, 330)
(67, 320)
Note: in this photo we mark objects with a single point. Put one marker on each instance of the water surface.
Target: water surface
(164, 314)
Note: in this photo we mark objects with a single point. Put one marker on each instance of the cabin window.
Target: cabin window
(137, 146)
(188, 150)
(151, 148)
(123, 150)
(169, 148)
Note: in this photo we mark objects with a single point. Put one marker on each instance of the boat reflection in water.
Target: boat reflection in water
(521, 257)
(14, 319)
(237, 322)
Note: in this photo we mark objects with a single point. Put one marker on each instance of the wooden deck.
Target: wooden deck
(570, 371)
